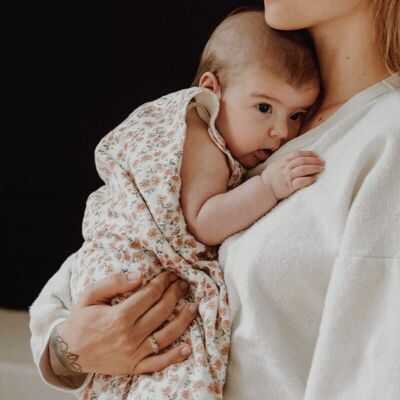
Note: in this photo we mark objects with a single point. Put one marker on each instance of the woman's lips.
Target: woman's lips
(262, 155)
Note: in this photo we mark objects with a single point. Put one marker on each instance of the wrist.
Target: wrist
(62, 361)
(265, 178)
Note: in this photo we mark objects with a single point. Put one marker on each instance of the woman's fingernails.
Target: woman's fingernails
(193, 308)
(184, 285)
(173, 277)
(133, 275)
(185, 351)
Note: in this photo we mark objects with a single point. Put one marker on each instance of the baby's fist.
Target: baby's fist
(292, 172)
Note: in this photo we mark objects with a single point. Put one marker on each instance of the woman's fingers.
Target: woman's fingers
(173, 331)
(159, 313)
(108, 341)
(102, 291)
(160, 361)
(142, 300)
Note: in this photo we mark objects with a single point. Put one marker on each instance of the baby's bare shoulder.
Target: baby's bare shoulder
(199, 150)
(204, 170)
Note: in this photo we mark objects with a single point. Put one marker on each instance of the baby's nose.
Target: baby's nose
(280, 131)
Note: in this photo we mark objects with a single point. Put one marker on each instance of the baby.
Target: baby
(173, 173)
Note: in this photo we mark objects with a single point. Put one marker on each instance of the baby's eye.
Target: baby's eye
(297, 116)
(264, 107)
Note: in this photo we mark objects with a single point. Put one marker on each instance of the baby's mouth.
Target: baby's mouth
(263, 154)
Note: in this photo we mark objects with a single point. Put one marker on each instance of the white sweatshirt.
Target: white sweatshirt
(314, 286)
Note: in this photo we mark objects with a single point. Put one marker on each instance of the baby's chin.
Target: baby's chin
(262, 155)
(256, 158)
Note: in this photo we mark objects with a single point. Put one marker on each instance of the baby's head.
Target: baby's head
(267, 80)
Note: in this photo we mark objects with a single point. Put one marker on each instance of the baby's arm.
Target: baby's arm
(212, 213)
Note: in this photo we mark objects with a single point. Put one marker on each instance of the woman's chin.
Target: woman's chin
(279, 15)
(283, 24)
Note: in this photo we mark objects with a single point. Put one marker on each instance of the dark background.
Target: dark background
(75, 70)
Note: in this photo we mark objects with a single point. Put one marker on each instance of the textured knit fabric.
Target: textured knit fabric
(135, 222)
(314, 285)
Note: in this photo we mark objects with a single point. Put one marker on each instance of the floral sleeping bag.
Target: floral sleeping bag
(135, 222)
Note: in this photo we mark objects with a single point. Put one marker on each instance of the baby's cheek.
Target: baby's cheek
(295, 131)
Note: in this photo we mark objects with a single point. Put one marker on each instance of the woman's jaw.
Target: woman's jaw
(303, 14)
(342, 31)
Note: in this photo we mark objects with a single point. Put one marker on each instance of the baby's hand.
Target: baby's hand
(292, 172)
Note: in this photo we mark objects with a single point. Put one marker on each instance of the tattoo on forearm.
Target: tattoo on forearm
(65, 358)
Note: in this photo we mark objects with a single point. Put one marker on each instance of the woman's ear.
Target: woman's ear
(210, 81)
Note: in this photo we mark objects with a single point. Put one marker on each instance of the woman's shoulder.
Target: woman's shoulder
(381, 118)
(389, 103)
(380, 103)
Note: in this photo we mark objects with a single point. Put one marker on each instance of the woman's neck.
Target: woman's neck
(349, 60)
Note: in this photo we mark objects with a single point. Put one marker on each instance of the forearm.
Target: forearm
(50, 309)
(228, 213)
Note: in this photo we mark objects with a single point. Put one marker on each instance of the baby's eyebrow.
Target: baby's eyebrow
(257, 94)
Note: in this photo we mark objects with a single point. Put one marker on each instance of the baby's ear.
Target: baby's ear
(210, 81)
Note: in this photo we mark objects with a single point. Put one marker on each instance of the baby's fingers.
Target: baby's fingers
(301, 153)
(305, 170)
(299, 183)
(160, 361)
(299, 161)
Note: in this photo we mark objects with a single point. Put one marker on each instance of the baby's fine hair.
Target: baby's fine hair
(244, 38)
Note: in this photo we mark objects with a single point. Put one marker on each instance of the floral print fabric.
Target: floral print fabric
(135, 222)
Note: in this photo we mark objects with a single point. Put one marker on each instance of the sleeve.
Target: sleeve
(55, 302)
(51, 307)
(357, 354)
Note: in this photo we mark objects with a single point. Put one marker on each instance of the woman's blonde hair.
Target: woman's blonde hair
(387, 31)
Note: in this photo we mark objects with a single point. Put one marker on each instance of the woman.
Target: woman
(313, 287)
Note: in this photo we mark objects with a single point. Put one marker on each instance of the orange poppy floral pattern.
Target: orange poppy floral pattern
(135, 222)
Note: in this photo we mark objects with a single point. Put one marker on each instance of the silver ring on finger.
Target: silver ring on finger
(154, 344)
